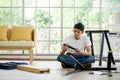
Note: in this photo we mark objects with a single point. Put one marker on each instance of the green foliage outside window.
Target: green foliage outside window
(56, 19)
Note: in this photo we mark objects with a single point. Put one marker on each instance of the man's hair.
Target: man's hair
(79, 26)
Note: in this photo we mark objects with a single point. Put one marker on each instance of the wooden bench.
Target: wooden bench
(19, 45)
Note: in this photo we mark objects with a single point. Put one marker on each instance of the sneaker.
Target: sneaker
(65, 66)
(87, 65)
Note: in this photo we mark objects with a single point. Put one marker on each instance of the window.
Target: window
(54, 19)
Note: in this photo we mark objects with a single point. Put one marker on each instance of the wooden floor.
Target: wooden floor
(56, 73)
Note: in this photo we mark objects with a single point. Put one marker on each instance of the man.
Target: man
(82, 46)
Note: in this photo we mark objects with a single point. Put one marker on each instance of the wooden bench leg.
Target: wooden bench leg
(31, 55)
(22, 51)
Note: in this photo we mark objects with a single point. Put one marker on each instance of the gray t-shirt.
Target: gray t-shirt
(79, 44)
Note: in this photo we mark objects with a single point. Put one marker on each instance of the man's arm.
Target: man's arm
(87, 52)
(63, 49)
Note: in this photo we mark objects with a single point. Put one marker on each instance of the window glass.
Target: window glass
(55, 3)
(68, 17)
(43, 17)
(29, 18)
(68, 3)
(29, 3)
(5, 3)
(42, 3)
(5, 16)
(55, 17)
(17, 3)
(17, 16)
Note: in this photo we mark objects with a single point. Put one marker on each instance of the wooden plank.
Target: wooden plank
(32, 69)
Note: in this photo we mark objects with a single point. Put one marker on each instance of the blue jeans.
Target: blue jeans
(81, 58)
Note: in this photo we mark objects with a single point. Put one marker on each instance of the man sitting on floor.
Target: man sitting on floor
(82, 46)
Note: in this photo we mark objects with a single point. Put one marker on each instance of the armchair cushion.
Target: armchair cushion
(3, 33)
(23, 33)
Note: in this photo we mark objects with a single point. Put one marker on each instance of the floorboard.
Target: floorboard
(56, 73)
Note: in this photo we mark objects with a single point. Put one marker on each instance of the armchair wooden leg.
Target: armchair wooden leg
(22, 51)
(31, 55)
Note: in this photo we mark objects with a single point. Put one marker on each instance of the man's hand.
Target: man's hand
(78, 51)
(64, 48)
